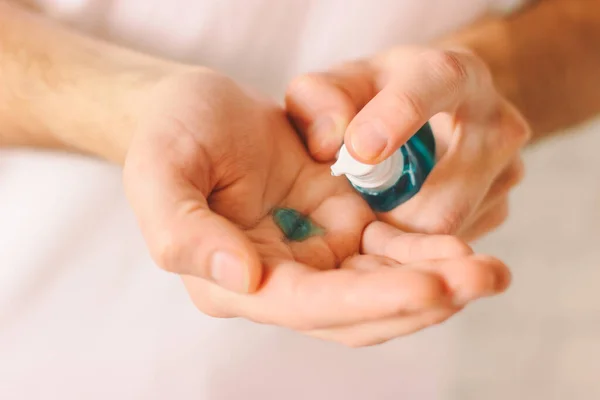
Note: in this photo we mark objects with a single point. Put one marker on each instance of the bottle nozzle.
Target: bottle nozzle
(381, 175)
(346, 165)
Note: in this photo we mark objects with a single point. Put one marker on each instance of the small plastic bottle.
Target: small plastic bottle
(395, 180)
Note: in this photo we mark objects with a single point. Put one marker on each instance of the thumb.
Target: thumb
(418, 87)
(201, 243)
(321, 105)
(183, 235)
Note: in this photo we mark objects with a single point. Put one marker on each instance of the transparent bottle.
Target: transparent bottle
(386, 185)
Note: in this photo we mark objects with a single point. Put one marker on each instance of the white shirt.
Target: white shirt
(84, 312)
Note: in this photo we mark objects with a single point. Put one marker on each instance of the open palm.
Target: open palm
(208, 166)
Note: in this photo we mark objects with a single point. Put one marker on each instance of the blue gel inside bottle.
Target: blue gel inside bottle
(418, 160)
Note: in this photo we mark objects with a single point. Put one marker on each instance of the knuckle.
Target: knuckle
(499, 215)
(513, 131)
(488, 222)
(426, 291)
(454, 247)
(410, 105)
(519, 169)
(300, 316)
(215, 313)
(478, 279)
(300, 324)
(209, 305)
(413, 248)
(449, 65)
(432, 318)
(513, 176)
(393, 57)
(484, 266)
(485, 260)
(437, 318)
(302, 84)
(211, 309)
(167, 252)
(218, 81)
(450, 222)
(350, 342)
(516, 173)
(356, 341)
(518, 132)
(508, 179)
(207, 297)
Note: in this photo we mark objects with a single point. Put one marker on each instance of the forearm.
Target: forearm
(62, 90)
(545, 59)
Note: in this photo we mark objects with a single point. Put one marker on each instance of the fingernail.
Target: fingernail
(229, 271)
(502, 281)
(467, 295)
(368, 140)
(328, 131)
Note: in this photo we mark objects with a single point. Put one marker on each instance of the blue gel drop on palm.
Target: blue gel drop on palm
(295, 226)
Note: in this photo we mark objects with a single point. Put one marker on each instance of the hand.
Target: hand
(205, 168)
(375, 105)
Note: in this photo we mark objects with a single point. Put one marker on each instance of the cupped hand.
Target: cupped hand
(374, 106)
(208, 164)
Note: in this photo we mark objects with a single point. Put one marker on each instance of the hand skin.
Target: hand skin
(205, 161)
(543, 60)
(64, 91)
(375, 105)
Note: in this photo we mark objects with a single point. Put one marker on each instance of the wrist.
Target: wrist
(67, 91)
(105, 113)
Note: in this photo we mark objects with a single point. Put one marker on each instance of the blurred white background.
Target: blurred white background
(541, 340)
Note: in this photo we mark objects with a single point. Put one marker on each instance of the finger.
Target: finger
(451, 193)
(378, 332)
(494, 208)
(336, 221)
(296, 296)
(465, 177)
(382, 239)
(322, 105)
(483, 143)
(370, 266)
(184, 236)
(488, 220)
(418, 88)
(512, 175)
(300, 298)
(468, 276)
(342, 235)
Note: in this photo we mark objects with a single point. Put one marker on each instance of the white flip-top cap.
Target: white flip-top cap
(348, 165)
(380, 176)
